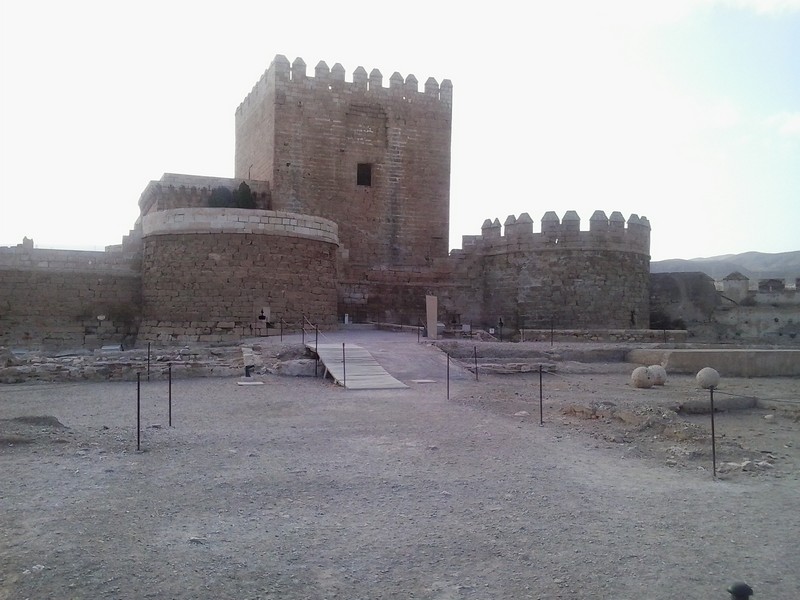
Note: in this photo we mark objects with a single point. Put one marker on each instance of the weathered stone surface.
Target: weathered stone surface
(303, 367)
(211, 287)
(124, 366)
(308, 138)
(7, 358)
(55, 302)
(721, 403)
(658, 374)
(640, 378)
(708, 378)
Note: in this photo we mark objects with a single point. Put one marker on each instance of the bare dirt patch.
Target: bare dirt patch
(300, 489)
(652, 424)
(756, 419)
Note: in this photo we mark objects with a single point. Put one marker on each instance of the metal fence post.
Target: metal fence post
(713, 435)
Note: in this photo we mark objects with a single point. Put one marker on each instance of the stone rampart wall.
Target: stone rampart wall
(66, 261)
(237, 220)
(52, 298)
(208, 280)
(563, 276)
(690, 300)
(556, 234)
(784, 297)
(765, 324)
(395, 295)
(773, 291)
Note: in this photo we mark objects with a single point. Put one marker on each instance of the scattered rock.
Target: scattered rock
(641, 378)
(302, 367)
(43, 421)
(746, 466)
(7, 358)
(658, 374)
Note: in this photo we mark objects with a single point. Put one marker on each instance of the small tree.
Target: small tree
(243, 197)
(221, 197)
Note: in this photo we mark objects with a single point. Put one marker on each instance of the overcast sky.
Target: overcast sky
(683, 111)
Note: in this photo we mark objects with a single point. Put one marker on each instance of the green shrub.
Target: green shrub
(243, 197)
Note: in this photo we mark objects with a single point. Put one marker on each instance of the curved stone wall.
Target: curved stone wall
(208, 273)
(561, 277)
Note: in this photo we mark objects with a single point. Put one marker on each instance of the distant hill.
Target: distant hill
(754, 265)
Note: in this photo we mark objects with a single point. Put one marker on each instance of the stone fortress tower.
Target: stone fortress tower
(374, 159)
(348, 213)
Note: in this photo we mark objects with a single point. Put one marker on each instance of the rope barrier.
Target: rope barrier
(599, 385)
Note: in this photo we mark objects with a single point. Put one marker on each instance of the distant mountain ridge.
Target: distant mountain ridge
(753, 265)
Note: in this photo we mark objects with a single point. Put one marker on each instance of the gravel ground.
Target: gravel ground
(301, 489)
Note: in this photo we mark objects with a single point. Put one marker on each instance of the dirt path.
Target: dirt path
(299, 489)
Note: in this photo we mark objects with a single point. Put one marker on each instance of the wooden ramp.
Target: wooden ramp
(355, 368)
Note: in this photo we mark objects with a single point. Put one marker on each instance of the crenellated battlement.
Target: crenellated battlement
(604, 233)
(332, 79)
(347, 212)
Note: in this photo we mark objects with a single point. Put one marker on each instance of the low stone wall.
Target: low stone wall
(652, 336)
(729, 362)
(117, 365)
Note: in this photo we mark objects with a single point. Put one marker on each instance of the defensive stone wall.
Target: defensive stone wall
(605, 233)
(40, 259)
(770, 315)
(56, 299)
(561, 276)
(375, 160)
(774, 292)
(761, 323)
(209, 273)
(393, 294)
(351, 184)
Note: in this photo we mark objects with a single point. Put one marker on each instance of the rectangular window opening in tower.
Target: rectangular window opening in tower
(364, 174)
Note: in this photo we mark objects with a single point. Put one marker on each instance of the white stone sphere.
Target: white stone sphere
(640, 378)
(658, 374)
(707, 378)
